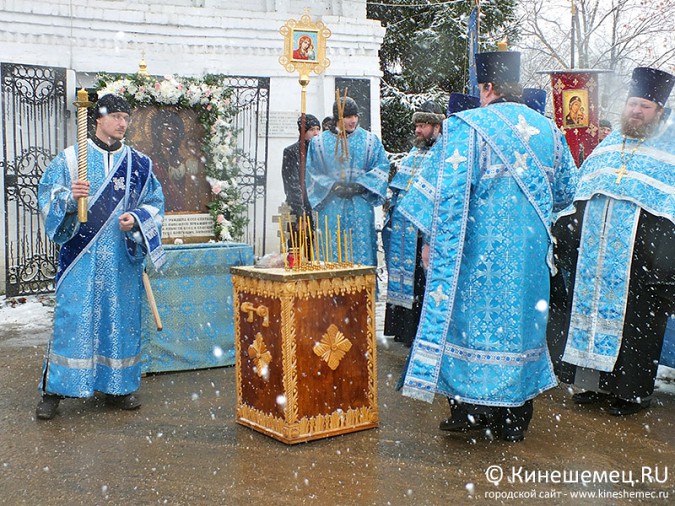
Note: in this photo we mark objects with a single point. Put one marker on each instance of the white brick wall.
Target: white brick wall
(191, 38)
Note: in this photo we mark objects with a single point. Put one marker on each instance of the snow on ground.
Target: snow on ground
(27, 321)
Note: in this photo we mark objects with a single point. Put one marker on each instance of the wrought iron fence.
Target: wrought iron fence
(251, 98)
(34, 125)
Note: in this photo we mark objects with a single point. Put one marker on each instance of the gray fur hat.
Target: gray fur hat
(429, 112)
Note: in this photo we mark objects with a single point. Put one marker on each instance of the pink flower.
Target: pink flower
(208, 107)
(220, 218)
(216, 189)
(157, 86)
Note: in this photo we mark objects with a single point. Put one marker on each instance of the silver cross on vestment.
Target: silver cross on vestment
(438, 295)
(521, 161)
(119, 183)
(525, 129)
(456, 159)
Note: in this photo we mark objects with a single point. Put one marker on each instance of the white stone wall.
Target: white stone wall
(194, 37)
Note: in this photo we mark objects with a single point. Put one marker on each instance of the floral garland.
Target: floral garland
(211, 100)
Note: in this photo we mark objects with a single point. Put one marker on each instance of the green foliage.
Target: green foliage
(424, 54)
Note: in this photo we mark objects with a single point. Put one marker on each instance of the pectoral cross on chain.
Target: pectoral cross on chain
(620, 173)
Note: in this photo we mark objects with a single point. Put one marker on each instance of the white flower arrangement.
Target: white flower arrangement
(211, 100)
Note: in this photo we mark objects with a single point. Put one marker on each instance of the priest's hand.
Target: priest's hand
(425, 256)
(127, 221)
(347, 190)
(80, 189)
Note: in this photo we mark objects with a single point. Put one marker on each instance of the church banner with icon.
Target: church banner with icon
(575, 102)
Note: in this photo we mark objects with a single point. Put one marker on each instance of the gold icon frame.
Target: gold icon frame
(295, 30)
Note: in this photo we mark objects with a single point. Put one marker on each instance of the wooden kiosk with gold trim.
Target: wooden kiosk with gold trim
(305, 351)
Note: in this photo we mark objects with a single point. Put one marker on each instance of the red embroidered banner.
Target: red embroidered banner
(575, 102)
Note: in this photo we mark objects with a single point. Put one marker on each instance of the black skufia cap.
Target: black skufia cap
(110, 103)
(498, 67)
(459, 102)
(651, 84)
(310, 121)
(350, 107)
(535, 98)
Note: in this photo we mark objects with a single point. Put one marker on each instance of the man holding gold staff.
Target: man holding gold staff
(346, 176)
(96, 342)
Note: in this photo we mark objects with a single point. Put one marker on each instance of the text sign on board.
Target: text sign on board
(187, 225)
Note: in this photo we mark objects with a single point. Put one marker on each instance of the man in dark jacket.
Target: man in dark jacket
(296, 193)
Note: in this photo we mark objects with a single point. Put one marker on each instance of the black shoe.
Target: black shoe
(126, 402)
(589, 397)
(620, 407)
(46, 408)
(513, 434)
(462, 423)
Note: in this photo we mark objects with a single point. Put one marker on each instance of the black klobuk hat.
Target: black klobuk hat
(651, 84)
(499, 67)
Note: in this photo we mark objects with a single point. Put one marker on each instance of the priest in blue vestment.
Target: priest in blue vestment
(405, 273)
(96, 344)
(616, 250)
(485, 210)
(346, 176)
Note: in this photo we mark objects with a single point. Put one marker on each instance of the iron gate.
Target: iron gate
(251, 98)
(34, 125)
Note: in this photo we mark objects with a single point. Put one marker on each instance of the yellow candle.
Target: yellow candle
(351, 246)
(317, 238)
(327, 239)
(293, 242)
(339, 242)
(301, 241)
(311, 241)
(283, 241)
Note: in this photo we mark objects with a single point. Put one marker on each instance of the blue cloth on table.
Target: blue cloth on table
(193, 292)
